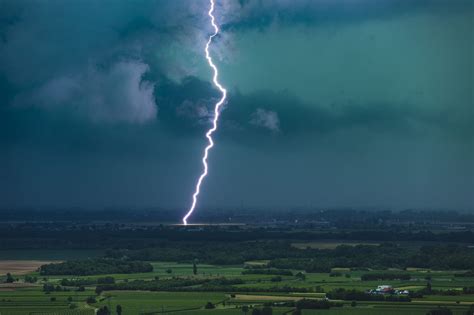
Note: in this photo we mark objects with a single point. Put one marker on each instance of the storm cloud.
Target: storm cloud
(331, 103)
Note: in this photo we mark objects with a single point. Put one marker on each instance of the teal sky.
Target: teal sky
(331, 104)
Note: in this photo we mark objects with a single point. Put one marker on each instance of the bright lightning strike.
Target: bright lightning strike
(217, 109)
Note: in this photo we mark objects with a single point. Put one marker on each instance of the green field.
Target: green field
(142, 302)
(33, 301)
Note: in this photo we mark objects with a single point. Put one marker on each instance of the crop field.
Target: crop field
(144, 302)
(377, 311)
(20, 267)
(35, 302)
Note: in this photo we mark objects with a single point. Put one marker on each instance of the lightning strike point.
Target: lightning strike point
(217, 108)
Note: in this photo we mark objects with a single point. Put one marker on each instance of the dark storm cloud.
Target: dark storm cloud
(105, 103)
(93, 57)
(295, 119)
(80, 101)
(263, 13)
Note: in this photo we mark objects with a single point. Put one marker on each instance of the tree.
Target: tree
(353, 303)
(48, 287)
(118, 309)
(30, 279)
(195, 269)
(106, 280)
(296, 312)
(209, 306)
(267, 310)
(428, 286)
(103, 311)
(276, 279)
(69, 299)
(300, 276)
(9, 279)
(256, 311)
(245, 309)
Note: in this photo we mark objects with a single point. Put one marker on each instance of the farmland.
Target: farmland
(139, 269)
(16, 300)
(19, 267)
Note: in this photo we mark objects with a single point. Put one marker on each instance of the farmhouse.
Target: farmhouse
(384, 289)
(388, 289)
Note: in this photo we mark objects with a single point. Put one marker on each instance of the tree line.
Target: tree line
(95, 267)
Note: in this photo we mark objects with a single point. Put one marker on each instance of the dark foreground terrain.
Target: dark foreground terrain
(294, 262)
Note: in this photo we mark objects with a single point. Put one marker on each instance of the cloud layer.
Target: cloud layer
(118, 94)
(267, 119)
(331, 103)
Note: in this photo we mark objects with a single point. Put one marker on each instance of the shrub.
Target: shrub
(209, 306)
(106, 280)
(103, 311)
(313, 304)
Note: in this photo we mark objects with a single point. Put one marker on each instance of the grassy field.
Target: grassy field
(143, 302)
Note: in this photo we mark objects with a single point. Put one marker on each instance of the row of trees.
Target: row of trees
(284, 256)
(86, 281)
(174, 284)
(355, 295)
(95, 267)
(271, 271)
(439, 257)
(194, 285)
(105, 310)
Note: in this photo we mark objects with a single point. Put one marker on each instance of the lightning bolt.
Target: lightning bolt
(217, 109)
